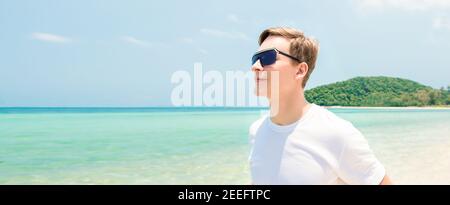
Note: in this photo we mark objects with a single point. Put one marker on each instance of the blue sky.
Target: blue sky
(123, 53)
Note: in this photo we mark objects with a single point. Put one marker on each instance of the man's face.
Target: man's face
(279, 77)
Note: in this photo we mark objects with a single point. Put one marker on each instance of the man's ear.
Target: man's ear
(302, 69)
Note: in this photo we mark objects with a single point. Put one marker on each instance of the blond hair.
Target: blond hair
(303, 48)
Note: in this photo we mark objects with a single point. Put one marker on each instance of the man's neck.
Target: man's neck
(288, 109)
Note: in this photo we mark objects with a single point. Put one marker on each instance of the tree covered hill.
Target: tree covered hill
(378, 91)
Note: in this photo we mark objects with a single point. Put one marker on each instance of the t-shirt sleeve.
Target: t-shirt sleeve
(251, 140)
(252, 131)
(252, 135)
(357, 163)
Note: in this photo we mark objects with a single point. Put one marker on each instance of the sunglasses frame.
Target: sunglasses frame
(277, 51)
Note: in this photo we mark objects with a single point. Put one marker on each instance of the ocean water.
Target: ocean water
(193, 145)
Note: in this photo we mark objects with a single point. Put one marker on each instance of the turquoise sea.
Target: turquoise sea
(193, 145)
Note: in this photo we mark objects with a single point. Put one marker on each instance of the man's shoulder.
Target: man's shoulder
(334, 131)
(334, 123)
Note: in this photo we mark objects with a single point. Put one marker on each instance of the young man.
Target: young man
(302, 143)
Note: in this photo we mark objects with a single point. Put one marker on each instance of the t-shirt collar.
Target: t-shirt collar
(290, 127)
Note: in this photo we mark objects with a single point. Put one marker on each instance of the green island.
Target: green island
(378, 91)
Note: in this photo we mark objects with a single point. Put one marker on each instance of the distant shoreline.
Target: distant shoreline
(393, 108)
(217, 107)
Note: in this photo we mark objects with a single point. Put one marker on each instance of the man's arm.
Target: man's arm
(386, 181)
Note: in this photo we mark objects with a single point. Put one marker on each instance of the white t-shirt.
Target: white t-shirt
(320, 148)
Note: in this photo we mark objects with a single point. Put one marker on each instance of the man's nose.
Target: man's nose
(257, 66)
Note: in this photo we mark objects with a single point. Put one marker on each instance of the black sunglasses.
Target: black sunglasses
(269, 56)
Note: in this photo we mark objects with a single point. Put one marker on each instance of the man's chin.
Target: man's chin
(261, 89)
(261, 93)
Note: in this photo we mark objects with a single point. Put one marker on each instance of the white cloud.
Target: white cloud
(408, 5)
(435, 7)
(187, 40)
(441, 22)
(233, 18)
(48, 37)
(224, 34)
(135, 41)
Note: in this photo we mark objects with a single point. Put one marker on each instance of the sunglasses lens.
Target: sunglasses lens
(255, 58)
(265, 58)
(268, 58)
